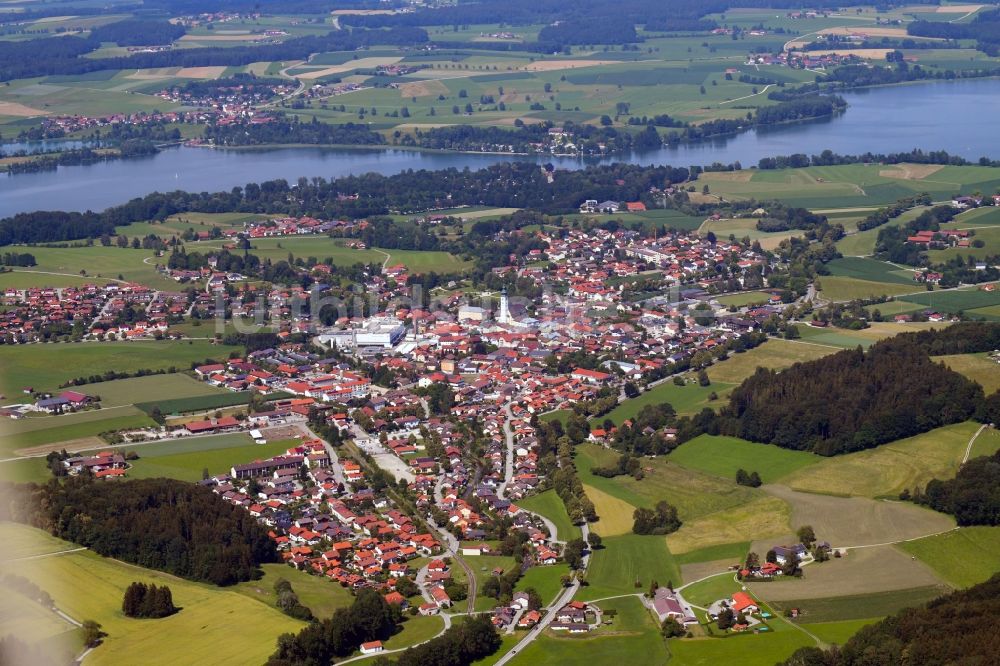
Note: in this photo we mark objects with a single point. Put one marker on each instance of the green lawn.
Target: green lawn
(27, 279)
(693, 493)
(887, 470)
(986, 444)
(81, 426)
(744, 298)
(632, 638)
(549, 505)
(838, 632)
(687, 399)
(46, 366)
(729, 551)
(317, 593)
(625, 559)
(105, 262)
(323, 248)
(723, 456)
(756, 650)
(773, 354)
(150, 388)
(963, 557)
(840, 288)
(188, 466)
(482, 568)
(977, 367)
(547, 581)
(214, 625)
(711, 589)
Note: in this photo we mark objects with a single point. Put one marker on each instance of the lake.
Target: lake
(956, 116)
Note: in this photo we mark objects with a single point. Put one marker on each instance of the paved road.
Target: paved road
(335, 467)
(550, 611)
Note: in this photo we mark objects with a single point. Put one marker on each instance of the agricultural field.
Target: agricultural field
(857, 521)
(974, 301)
(693, 493)
(773, 354)
(866, 337)
(853, 185)
(839, 632)
(768, 648)
(632, 637)
(319, 594)
(151, 388)
(109, 263)
(189, 465)
(45, 366)
(615, 514)
(887, 470)
(628, 559)
(87, 586)
(74, 432)
(861, 571)
(723, 456)
(760, 518)
(980, 368)
(859, 606)
(744, 298)
(962, 557)
(872, 270)
(549, 505)
(841, 289)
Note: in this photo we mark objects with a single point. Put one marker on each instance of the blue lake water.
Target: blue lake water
(957, 116)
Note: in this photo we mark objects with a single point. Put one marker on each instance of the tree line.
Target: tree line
(368, 618)
(972, 497)
(517, 185)
(164, 524)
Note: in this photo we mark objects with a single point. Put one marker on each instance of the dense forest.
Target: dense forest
(956, 629)
(863, 399)
(973, 496)
(292, 131)
(162, 524)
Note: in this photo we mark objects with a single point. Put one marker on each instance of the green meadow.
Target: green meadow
(44, 367)
(723, 456)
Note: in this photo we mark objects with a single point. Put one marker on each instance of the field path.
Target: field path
(769, 85)
(968, 449)
(45, 555)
